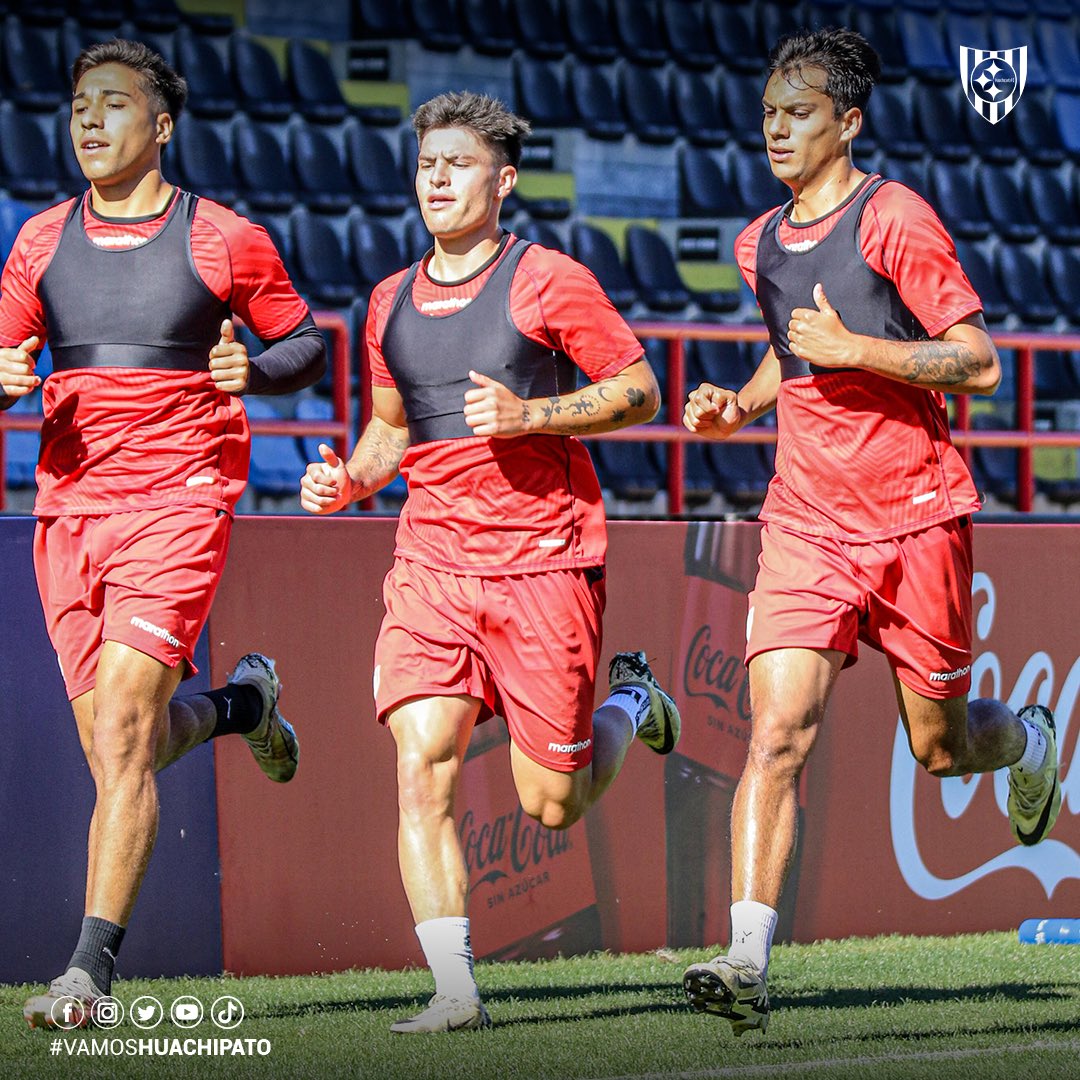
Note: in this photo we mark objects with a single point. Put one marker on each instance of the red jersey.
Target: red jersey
(117, 438)
(860, 456)
(494, 507)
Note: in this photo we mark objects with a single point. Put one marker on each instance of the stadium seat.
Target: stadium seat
(259, 84)
(312, 84)
(742, 471)
(890, 123)
(541, 93)
(262, 166)
(1014, 32)
(653, 270)
(937, 109)
(637, 27)
(202, 162)
(741, 97)
(539, 232)
(980, 273)
(597, 251)
(277, 228)
(627, 469)
(539, 27)
(320, 173)
(733, 31)
(688, 34)
(437, 25)
(1067, 112)
(924, 46)
(376, 253)
(31, 76)
(645, 104)
(312, 407)
(210, 89)
(704, 191)
(276, 463)
(21, 447)
(958, 200)
(699, 480)
(1055, 376)
(589, 30)
(322, 267)
(1058, 215)
(1057, 43)
(1022, 281)
(722, 363)
(969, 29)
(697, 109)
(878, 26)
(157, 16)
(378, 183)
(911, 172)
(993, 469)
(1009, 212)
(416, 240)
(595, 103)
(486, 26)
(1064, 274)
(22, 141)
(380, 20)
(1040, 136)
(991, 142)
(758, 189)
(774, 21)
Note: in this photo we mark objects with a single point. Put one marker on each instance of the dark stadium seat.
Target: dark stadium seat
(31, 76)
(378, 183)
(1009, 211)
(627, 469)
(21, 447)
(71, 179)
(1057, 43)
(157, 16)
(637, 27)
(774, 21)
(1058, 215)
(878, 26)
(991, 142)
(277, 228)
(312, 407)
(758, 189)
(699, 480)
(993, 469)
(597, 251)
(23, 142)
(965, 28)
(380, 20)
(979, 271)
(259, 84)
(958, 200)
(375, 251)
(924, 46)
(742, 471)
(1022, 281)
(645, 103)
(741, 95)
(437, 25)
(416, 240)
(539, 232)
(697, 109)
(722, 363)
(262, 166)
(1063, 265)
(734, 33)
(487, 27)
(689, 36)
(202, 161)
(890, 123)
(937, 110)
(541, 92)
(1040, 136)
(595, 102)
(1014, 32)
(589, 31)
(653, 270)
(911, 172)
(704, 190)
(539, 27)
(276, 463)
(1056, 379)
(210, 88)
(324, 273)
(320, 173)
(1067, 113)
(312, 83)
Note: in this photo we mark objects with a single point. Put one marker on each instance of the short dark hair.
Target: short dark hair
(849, 61)
(166, 90)
(499, 128)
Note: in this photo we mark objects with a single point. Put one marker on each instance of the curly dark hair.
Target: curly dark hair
(850, 64)
(499, 128)
(166, 90)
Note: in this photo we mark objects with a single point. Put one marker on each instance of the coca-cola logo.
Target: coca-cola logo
(1050, 862)
(716, 674)
(512, 839)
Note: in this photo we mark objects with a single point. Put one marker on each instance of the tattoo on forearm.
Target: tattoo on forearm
(525, 414)
(584, 406)
(946, 363)
(619, 415)
(635, 396)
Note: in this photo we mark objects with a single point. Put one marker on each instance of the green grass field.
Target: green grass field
(981, 1007)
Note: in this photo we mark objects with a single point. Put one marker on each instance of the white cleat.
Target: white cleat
(273, 743)
(445, 1014)
(660, 730)
(1035, 798)
(729, 987)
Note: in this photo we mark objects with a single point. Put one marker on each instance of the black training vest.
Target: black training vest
(143, 307)
(867, 302)
(430, 356)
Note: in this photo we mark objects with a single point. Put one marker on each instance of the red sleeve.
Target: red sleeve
(903, 239)
(22, 314)
(382, 299)
(556, 301)
(239, 263)
(746, 248)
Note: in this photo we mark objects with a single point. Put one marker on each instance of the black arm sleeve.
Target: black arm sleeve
(289, 363)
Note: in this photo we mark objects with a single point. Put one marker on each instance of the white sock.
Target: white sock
(448, 951)
(752, 929)
(1034, 756)
(633, 702)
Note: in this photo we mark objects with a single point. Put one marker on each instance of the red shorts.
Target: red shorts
(527, 646)
(144, 578)
(910, 597)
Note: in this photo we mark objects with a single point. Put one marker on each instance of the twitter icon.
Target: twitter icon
(146, 1012)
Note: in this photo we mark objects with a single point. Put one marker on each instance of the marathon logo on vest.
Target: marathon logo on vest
(993, 80)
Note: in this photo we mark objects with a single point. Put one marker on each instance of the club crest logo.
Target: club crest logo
(993, 79)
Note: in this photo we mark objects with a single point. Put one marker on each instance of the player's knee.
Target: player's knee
(121, 742)
(777, 748)
(938, 760)
(553, 811)
(425, 787)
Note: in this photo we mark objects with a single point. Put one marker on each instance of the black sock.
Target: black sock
(239, 709)
(99, 942)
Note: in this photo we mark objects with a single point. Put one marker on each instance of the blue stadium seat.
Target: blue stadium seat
(23, 143)
(541, 93)
(486, 26)
(1063, 265)
(1014, 32)
(539, 28)
(697, 109)
(1056, 378)
(890, 123)
(734, 33)
(653, 270)
(378, 183)
(996, 306)
(937, 109)
(312, 83)
(320, 172)
(312, 407)
(202, 162)
(991, 142)
(699, 480)
(878, 26)
(1024, 285)
(645, 104)
(758, 189)
(1057, 43)
(1009, 211)
(277, 228)
(322, 268)
(958, 200)
(689, 37)
(71, 179)
(437, 25)
(21, 447)
(595, 103)
(637, 27)
(157, 16)
(416, 240)
(380, 20)
(704, 190)
(742, 471)
(924, 46)
(539, 232)
(969, 29)
(597, 251)
(1040, 136)
(774, 21)
(911, 172)
(627, 469)
(1067, 112)
(376, 253)
(1058, 215)
(993, 469)
(741, 95)
(259, 84)
(276, 464)
(262, 166)
(722, 363)
(31, 76)
(589, 30)
(210, 87)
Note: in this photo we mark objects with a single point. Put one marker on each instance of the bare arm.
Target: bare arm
(630, 397)
(715, 412)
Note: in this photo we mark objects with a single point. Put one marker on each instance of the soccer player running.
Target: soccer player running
(495, 598)
(144, 452)
(868, 520)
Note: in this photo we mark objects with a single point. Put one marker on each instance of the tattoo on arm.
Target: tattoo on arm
(636, 397)
(946, 363)
(525, 414)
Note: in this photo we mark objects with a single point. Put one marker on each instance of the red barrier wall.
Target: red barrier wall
(885, 848)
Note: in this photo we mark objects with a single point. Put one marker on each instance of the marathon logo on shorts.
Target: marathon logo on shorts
(157, 631)
(569, 748)
(948, 676)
